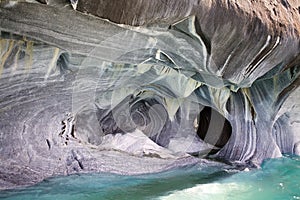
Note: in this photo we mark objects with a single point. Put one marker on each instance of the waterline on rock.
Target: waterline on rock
(277, 179)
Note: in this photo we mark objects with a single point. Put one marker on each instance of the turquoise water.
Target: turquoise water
(277, 179)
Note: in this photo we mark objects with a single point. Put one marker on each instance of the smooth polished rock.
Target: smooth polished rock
(124, 93)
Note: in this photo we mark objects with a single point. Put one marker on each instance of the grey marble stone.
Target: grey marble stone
(119, 86)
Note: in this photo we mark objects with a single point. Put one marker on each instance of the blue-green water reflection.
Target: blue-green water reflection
(278, 179)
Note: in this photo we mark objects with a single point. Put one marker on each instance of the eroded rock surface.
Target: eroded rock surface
(124, 93)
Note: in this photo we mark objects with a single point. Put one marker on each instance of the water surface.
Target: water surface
(277, 179)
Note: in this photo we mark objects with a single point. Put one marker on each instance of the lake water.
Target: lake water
(277, 179)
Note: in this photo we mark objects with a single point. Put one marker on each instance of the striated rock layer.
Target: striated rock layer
(138, 86)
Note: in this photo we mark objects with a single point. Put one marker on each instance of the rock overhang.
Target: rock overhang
(216, 54)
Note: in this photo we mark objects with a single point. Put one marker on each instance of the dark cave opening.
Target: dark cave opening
(213, 128)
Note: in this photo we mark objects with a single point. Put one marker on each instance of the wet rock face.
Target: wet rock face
(166, 80)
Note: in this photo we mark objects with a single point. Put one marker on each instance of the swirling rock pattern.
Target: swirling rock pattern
(82, 94)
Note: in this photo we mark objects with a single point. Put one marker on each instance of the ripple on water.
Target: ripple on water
(277, 179)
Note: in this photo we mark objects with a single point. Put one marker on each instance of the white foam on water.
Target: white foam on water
(219, 191)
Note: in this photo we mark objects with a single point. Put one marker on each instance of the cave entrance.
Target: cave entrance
(213, 128)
